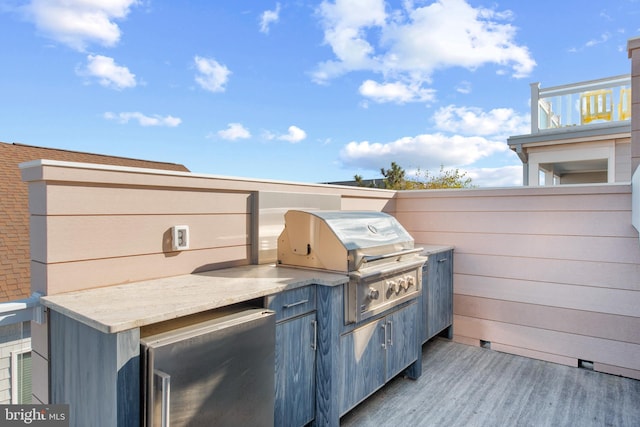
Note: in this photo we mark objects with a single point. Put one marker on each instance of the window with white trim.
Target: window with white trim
(21, 376)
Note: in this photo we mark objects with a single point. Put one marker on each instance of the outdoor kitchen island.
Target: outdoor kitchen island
(95, 338)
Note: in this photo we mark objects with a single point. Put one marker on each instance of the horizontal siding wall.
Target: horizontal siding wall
(94, 226)
(15, 337)
(92, 236)
(551, 273)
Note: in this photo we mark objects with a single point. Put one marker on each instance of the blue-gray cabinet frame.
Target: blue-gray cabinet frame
(295, 370)
(98, 373)
(437, 296)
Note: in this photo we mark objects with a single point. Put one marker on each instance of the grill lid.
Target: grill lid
(339, 240)
(360, 230)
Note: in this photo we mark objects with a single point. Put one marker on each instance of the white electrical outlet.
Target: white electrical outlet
(180, 237)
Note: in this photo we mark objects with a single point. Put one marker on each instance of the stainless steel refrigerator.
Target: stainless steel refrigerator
(211, 369)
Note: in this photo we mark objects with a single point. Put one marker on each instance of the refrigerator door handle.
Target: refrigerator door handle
(164, 381)
(314, 344)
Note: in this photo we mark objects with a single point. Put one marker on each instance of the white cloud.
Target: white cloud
(395, 92)
(212, 76)
(143, 120)
(78, 23)
(454, 34)
(269, 17)
(108, 73)
(603, 38)
(468, 135)
(344, 24)
(499, 122)
(294, 135)
(464, 87)
(426, 151)
(408, 45)
(507, 176)
(234, 131)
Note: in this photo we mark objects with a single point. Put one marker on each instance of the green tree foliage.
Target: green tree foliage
(448, 178)
(360, 182)
(395, 179)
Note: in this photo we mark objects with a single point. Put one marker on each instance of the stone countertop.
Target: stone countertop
(432, 249)
(122, 307)
(119, 308)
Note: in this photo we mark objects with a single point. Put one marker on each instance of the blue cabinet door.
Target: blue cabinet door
(375, 353)
(437, 294)
(362, 353)
(402, 339)
(295, 371)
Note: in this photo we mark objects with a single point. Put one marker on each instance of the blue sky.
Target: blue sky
(305, 91)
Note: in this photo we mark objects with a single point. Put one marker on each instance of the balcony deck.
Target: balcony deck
(471, 386)
(579, 104)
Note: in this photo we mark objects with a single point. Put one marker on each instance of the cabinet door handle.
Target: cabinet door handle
(384, 341)
(314, 343)
(165, 392)
(442, 260)
(293, 304)
(390, 324)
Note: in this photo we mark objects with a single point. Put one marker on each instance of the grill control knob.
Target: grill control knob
(409, 282)
(393, 286)
(373, 293)
(402, 284)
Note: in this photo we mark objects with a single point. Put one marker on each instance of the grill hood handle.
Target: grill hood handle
(370, 258)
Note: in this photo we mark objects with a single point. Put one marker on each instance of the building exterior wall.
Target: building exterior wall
(547, 272)
(541, 146)
(14, 209)
(633, 47)
(15, 259)
(15, 337)
(623, 160)
(583, 178)
(614, 150)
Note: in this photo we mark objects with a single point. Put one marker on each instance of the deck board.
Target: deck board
(471, 386)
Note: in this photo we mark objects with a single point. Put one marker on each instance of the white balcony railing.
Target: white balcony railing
(578, 104)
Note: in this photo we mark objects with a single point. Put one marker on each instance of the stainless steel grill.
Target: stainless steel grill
(372, 248)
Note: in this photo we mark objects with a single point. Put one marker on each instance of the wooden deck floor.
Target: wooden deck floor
(470, 386)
